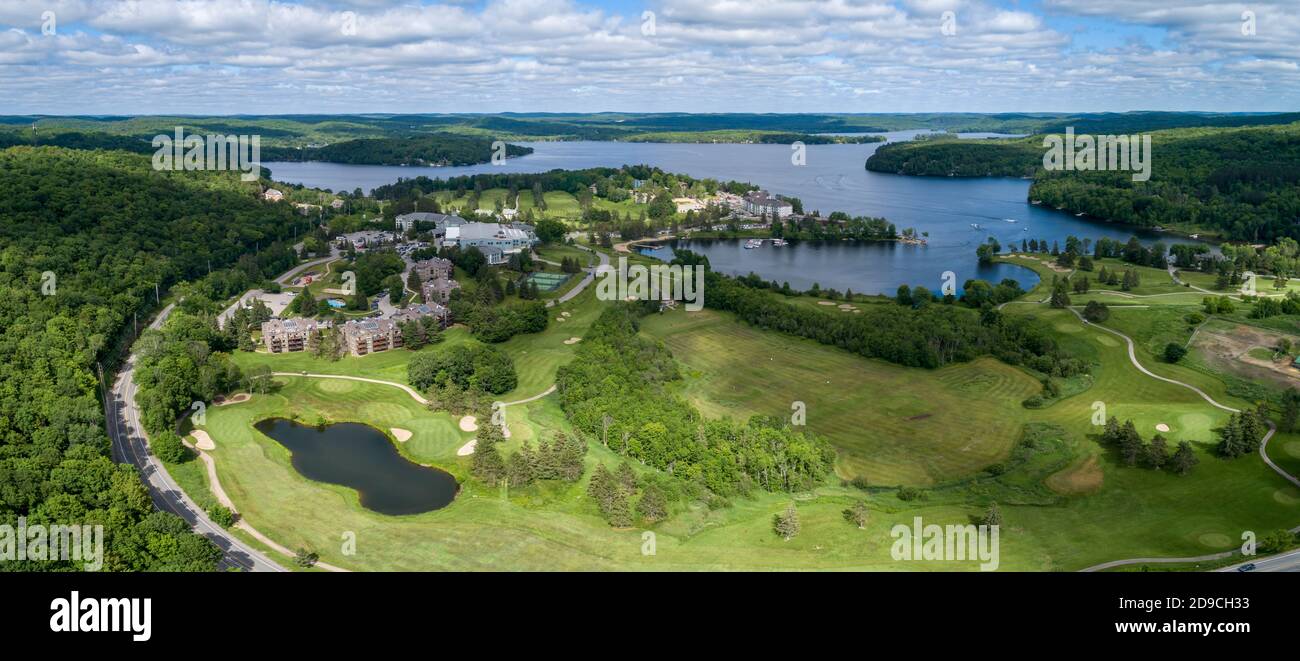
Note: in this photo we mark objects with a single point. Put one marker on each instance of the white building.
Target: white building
(761, 202)
(505, 238)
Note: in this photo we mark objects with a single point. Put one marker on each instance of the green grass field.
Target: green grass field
(1067, 504)
(927, 427)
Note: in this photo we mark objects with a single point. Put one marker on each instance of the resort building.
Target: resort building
(272, 195)
(433, 269)
(440, 221)
(760, 202)
(418, 312)
(506, 238)
(367, 336)
(286, 335)
(438, 290)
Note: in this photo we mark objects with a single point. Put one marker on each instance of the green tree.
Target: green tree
(169, 447)
(786, 524)
(1184, 458)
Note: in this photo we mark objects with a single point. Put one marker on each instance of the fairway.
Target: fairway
(892, 425)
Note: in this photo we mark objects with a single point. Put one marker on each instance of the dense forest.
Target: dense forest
(1240, 183)
(306, 129)
(84, 239)
(437, 149)
(616, 391)
(949, 156)
(919, 331)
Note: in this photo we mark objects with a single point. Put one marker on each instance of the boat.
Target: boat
(752, 243)
(976, 226)
(777, 243)
(1011, 220)
(1079, 215)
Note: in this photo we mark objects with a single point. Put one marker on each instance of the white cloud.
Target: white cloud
(219, 56)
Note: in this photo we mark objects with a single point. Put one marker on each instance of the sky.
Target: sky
(218, 57)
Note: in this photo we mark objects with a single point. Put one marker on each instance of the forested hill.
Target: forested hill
(84, 237)
(1238, 183)
(437, 149)
(949, 156)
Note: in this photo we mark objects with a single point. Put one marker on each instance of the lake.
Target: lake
(361, 457)
(958, 214)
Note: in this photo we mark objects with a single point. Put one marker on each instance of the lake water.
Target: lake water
(360, 457)
(958, 214)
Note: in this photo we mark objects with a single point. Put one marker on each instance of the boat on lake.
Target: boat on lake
(753, 243)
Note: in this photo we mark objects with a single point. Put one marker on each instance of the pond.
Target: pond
(361, 457)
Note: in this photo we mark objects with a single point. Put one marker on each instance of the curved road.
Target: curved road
(1263, 453)
(129, 445)
(587, 280)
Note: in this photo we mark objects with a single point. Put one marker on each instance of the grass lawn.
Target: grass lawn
(928, 427)
(1066, 501)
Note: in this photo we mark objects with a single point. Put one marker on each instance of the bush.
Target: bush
(1096, 312)
(304, 558)
(169, 447)
(1174, 352)
(221, 515)
(910, 493)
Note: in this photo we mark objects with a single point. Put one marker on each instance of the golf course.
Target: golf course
(958, 437)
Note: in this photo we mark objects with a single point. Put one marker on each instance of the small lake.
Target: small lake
(361, 457)
(958, 213)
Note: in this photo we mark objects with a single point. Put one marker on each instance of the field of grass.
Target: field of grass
(1067, 502)
(927, 427)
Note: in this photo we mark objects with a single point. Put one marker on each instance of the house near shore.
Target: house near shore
(289, 335)
(762, 203)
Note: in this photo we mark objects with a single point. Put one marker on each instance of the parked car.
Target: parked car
(1249, 566)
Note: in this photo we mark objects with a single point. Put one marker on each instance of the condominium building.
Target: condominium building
(366, 336)
(438, 290)
(286, 335)
(761, 202)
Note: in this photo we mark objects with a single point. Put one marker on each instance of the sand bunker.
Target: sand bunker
(233, 399)
(202, 441)
(565, 314)
(1162, 427)
(466, 449)
(402, 435)
(573, 340)
(825, 302)
(469, 423)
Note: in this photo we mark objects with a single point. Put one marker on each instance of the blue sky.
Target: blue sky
(271, 56)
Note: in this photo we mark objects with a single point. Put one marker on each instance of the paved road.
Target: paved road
(1288, 562)
(1263, 453)
(129, 445)
(284, 279)
(586, 280)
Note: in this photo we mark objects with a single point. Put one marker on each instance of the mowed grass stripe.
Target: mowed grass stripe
(891, 425)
